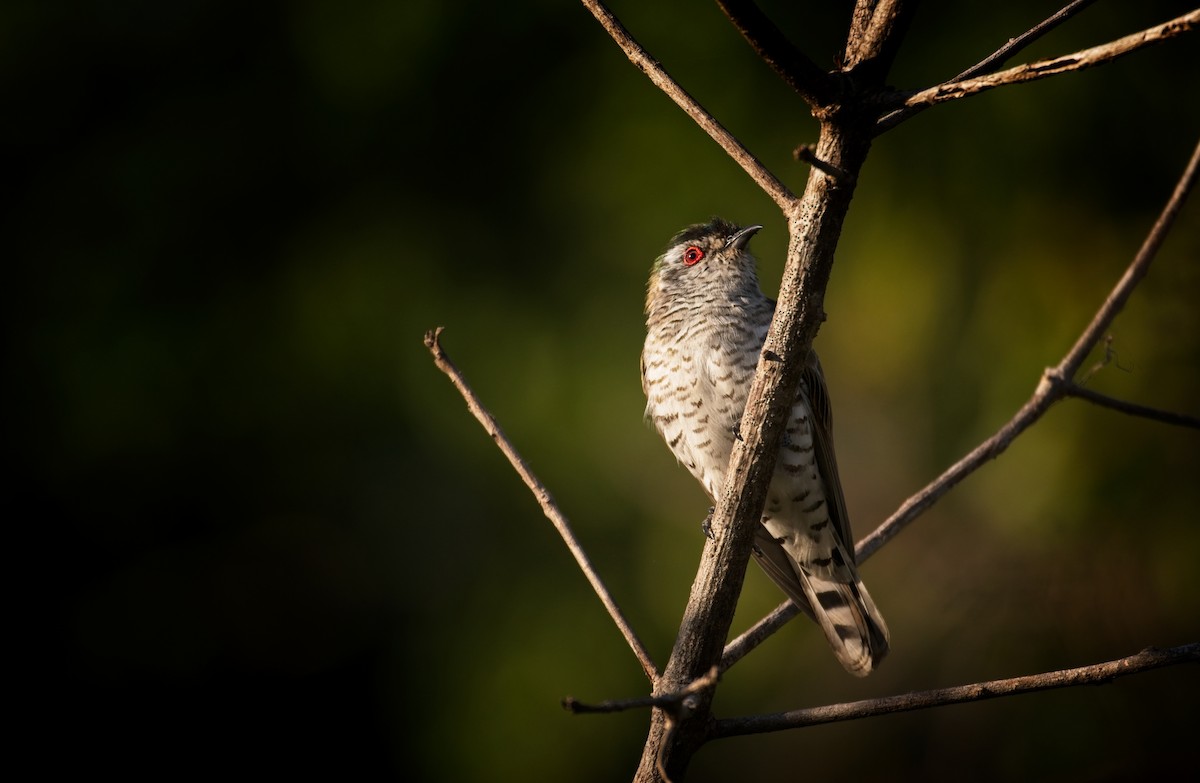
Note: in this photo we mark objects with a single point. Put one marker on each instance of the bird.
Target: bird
(706, 320)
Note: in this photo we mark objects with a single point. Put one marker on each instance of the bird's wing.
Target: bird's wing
(822, 435)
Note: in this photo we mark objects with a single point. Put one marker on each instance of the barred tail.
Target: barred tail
(840, 605)
(855, 629)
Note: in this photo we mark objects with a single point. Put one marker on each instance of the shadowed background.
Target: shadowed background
(268, 539)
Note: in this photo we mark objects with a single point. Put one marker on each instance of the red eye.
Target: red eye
(692, 255)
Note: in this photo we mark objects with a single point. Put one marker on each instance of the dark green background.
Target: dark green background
(266, 538)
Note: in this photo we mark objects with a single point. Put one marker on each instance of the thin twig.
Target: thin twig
(666, 701)
(1077, 61)
(1150, 658)
(1132, 408)
(792, 65)
(1055, 385)
(770, 184)
(543, 497)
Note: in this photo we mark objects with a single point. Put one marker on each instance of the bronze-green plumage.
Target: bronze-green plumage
(706, 319)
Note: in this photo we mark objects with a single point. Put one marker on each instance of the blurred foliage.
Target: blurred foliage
(267, 537)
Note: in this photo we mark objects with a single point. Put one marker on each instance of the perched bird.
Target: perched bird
(706, 319)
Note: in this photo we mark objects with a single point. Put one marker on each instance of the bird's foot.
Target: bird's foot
(706, 525)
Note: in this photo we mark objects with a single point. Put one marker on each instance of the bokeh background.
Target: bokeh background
(265, 538)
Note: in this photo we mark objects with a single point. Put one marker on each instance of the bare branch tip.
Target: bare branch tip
(431, 339)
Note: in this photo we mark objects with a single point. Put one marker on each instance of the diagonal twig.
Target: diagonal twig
(1150, 658)
(1056, 384)
(543, 497)
(770, 184)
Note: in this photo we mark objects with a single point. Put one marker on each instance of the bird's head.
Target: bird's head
(707, 259)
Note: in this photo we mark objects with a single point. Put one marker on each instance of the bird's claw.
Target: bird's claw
(706, 525)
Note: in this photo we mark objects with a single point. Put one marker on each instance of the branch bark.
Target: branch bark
(814, 226)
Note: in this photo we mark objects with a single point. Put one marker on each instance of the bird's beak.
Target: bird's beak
(739, 240)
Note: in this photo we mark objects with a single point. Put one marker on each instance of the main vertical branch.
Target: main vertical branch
(814, 225)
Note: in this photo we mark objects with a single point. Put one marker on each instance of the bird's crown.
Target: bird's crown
(704, 262)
